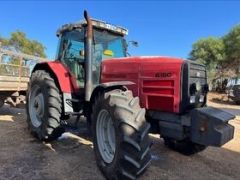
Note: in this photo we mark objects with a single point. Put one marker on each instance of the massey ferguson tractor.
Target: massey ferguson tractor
(93, 76)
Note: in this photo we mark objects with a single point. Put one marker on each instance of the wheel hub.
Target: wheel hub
(36, 106)
(106, 136)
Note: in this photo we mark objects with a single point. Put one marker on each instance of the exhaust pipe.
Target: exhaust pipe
(88, 58)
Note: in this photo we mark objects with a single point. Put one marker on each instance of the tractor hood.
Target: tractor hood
(146, 66)
(143, 66)
(156, 79)
(146, 58)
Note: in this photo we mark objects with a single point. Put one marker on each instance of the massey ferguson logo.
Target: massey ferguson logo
(163, 74)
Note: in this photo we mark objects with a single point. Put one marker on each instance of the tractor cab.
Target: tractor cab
(107, 42)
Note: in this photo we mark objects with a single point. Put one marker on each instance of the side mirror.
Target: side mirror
(134, 43)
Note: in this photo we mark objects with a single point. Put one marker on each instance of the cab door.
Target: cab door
(71, 54)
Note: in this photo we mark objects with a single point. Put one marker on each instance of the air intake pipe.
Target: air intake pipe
(88, 58)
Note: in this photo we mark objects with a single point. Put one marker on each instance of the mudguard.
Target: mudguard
(106, 85)
(67, 82)
(209, 126)
(116, 83)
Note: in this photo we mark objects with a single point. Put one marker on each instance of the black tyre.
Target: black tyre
(120, 135)
(44, 106)
(185, 147)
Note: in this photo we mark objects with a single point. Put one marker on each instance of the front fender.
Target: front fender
(116, 83)
(109, 86)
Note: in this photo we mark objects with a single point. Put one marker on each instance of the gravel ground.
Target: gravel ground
(71, 157)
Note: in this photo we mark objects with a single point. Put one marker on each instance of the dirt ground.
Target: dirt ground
(71, 157)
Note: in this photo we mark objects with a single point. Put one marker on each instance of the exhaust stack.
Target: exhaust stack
(88, 58)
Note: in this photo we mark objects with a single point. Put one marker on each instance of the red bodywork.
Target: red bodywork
(157, 79)
(66, 80)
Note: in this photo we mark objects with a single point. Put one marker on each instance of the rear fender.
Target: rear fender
(67, 82)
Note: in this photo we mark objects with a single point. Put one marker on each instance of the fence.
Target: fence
(15, 70)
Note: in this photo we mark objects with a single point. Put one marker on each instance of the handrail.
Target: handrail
(14, 65)
(22, 55)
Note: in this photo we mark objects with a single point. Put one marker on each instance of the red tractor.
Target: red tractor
(93, 76)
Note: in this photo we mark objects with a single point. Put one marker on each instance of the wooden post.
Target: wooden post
(20, 73)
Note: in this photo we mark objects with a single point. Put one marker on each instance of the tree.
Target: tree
(209, 51)
(20, 43)
(220, 55)
(232, 48)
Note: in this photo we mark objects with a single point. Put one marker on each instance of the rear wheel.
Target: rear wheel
(44, 106)
(185, 147)
(120, 135)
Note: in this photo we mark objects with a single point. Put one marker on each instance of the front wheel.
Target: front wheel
(120, 135)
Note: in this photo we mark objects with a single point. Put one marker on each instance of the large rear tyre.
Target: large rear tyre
(44, 107)
(185, 147)
(120, 135)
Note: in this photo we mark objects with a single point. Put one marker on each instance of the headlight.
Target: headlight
(192, 99)
(201, 99)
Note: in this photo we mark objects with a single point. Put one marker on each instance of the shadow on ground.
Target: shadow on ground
(213, 163)
(71, 157)
(24, 157)
(221, 101)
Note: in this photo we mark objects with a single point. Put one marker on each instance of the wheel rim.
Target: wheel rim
(106, 136)
(36, 106)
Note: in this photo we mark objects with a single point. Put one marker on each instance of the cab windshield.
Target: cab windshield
(107, 45)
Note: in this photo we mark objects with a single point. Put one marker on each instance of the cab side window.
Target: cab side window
(71, 53)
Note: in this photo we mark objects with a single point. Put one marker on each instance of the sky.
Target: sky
(164, 28)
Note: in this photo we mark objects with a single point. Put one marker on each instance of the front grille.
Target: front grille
(197, 73)
(193, 75)
(197, 77)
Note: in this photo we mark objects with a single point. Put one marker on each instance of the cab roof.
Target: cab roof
(96, 23)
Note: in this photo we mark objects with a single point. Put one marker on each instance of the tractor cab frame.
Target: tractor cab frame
(82, 53)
